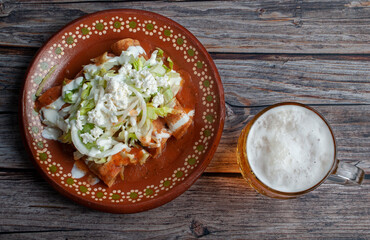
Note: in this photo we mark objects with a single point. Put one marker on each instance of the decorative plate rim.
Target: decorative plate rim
(182, 186)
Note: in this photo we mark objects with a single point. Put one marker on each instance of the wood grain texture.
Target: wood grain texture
(213, 208)
(316, 52)
(287, 26)
(308, 79)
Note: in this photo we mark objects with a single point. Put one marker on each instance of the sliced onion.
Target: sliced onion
(116, 149)
(77, 141)
(125, 112)
(96, 154)
(142, 104)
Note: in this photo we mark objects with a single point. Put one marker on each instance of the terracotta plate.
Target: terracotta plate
(159, 180)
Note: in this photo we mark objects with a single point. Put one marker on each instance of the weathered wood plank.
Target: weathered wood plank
(220, 208)
(350, 125)
(288, 26)
(294, 79)
(309, 78)
(13, 65)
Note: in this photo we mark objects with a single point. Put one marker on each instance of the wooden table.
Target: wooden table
(315, 52)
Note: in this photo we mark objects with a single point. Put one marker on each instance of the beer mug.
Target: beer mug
(289, 149)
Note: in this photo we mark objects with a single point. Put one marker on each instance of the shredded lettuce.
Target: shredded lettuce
(68, 97)
(90, 145)
(87, 128)
(160, 52)
(150, 113)
(132, 136)
(153, 113)
(163, 111)
(66, 137)
(170, 63)
(86, 106)
(158, 70)
(138, 63)
(168, 95)
(86, 92)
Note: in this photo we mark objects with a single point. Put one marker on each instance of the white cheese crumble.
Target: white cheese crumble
(97, 117)
(87, 138)
(91, 137)
(158, 100)
(96, 132)
(162, 81)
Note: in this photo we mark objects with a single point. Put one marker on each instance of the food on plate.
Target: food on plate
(119, 110)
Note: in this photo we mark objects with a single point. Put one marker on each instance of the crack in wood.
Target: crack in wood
(288, 56)
(102, 1)
(46, 206)
(16, 170)
(6, 49)
(223, 174)
(42, 231)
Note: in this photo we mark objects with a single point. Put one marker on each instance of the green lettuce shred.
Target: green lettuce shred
(86, 106)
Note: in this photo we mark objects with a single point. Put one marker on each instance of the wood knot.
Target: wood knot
(198, 229)
(260, 11)
(229, 112)
(2, 8)
(5, 10)
(297, 22)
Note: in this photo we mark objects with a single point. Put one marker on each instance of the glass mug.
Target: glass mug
(258, 168)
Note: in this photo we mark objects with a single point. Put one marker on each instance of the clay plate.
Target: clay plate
(159, 180)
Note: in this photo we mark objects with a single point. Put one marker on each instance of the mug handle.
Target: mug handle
(345, 173)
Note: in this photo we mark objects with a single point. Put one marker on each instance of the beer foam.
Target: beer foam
(290, 148)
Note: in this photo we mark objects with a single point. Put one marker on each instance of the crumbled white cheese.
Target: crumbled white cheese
(105, 143)
(79, 120)
(108, 102)
(87, 138)
(96, 132)
(158, 100)
(125, 70)
(162, 81)
(150, 84)
(118, 93)
(97, 117)
(145, 80)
